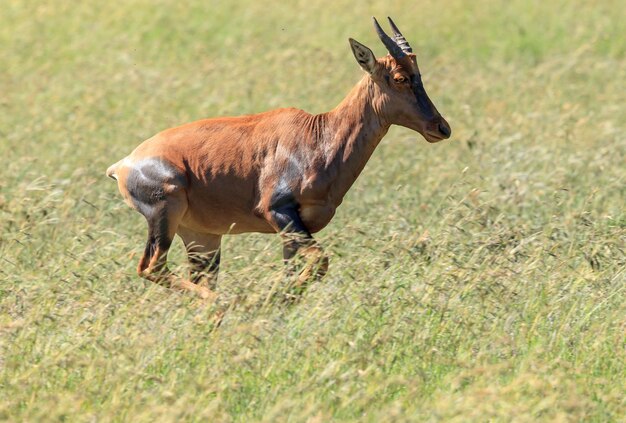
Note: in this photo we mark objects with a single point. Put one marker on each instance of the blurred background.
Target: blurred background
(478, 278)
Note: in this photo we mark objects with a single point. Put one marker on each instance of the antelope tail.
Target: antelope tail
(111, 171)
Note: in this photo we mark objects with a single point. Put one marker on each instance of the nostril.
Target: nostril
(444, 129)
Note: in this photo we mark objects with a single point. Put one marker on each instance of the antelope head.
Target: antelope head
(400, 97)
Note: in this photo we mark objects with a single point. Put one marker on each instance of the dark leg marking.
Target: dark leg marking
(153, 264)
(156, 190)
(294, 232)
(298, 240)
(151, 181)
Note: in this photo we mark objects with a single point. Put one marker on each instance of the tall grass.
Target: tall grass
(476, 279)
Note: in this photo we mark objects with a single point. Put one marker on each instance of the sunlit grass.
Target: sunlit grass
(477, 279)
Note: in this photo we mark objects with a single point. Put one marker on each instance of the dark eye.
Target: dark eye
(399, 79)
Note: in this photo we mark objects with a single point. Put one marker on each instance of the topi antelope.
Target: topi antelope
(283, 171)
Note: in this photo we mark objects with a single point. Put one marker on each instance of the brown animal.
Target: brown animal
(283, 171)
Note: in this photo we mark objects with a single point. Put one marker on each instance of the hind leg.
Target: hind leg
(157, 189)
(203, 252)
(163, 220)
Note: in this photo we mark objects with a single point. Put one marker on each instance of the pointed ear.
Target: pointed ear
(363, 55)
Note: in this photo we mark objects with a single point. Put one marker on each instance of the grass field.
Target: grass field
(482, 278)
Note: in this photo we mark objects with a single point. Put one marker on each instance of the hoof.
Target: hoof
(205, 293)
(201, 291)
(315, 267)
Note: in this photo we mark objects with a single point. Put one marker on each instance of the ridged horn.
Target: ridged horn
(399, 38)
(391, 45)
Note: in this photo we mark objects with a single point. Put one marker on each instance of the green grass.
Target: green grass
(476, 279)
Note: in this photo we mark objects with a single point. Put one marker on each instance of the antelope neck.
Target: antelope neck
(356, 126)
